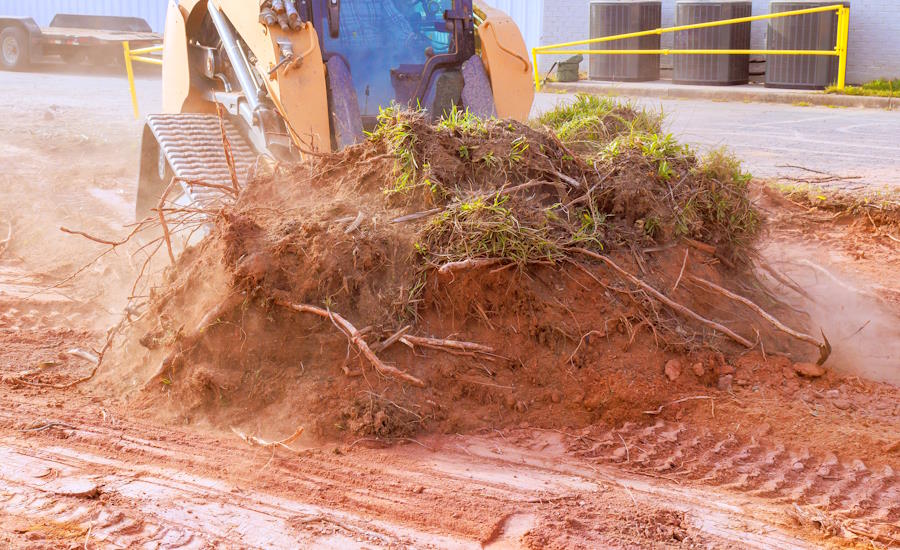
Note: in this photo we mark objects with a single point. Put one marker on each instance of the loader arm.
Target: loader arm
(506, 60)
(296, 86)
(290, 63)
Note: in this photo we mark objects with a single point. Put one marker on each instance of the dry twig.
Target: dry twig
(677, 401)
(471, 263)
(259, 442)
(437, 343)
(392, 339)
(681, 274)
(357, 221)
(417, 215)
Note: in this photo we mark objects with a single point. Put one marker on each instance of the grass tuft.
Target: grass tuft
(486, 227)
(882, 87)
(591, 122)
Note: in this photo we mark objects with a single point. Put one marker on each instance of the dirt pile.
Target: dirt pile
(453, 276)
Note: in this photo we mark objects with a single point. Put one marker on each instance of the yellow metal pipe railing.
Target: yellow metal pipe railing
(138, 55)
(839, 51)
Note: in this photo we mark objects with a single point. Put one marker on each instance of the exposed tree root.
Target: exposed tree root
(824, 347)
(718, 327)
(449, 346)
(348, 329)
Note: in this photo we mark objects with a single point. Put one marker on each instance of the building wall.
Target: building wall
(564, 21)
(873, 49)
(42, 11)
(528, 14)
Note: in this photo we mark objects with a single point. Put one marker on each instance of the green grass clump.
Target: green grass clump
(718, 208)
(395, 128)
(591, 122)
(486, 227)
(882, 87)
(463, 122)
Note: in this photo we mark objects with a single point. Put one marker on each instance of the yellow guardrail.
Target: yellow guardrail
(839, 51)
(140, 55)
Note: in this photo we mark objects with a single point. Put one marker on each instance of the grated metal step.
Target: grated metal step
(192, 144)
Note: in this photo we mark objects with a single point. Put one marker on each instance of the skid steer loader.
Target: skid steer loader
(289, 78)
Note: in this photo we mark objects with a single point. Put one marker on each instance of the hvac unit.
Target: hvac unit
(718, 70)
(611, 17)
(811, 31)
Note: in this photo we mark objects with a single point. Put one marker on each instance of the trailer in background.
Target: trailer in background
(73, 38)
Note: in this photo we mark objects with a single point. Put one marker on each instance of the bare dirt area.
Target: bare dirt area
(564, 422)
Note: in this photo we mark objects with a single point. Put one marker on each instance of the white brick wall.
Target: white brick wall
(564, 21)
(874, 47)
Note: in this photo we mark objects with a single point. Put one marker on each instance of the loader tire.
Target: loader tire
(343, 105)
(15, 49)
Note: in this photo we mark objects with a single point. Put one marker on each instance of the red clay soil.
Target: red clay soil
(590, 423)
(806, 461)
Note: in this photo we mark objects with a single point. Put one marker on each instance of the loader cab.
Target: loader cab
(404, 51)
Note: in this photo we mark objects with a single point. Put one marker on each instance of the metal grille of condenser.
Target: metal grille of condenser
(813, 31)
(718, 70)
(612, 17)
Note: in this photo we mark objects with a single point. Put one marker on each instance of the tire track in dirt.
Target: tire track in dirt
(140, 507)
(478, 483)
(856, 499)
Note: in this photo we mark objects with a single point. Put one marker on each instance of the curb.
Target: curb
(765, 95)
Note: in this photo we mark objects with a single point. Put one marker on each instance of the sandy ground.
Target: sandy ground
(777, 462)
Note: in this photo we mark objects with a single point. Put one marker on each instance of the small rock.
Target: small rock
(841, 404)
(673, 369)
(593, 402)
(797, 467)
(555, 396)
(725, 382)
(809, 370)
(418, 489)
(832, 394)
(699, 369)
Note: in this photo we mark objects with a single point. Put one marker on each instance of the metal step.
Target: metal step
(192, 144)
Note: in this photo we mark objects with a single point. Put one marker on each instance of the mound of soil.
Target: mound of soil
(445, 278)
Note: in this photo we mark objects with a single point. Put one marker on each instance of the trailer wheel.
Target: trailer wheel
(14, 49)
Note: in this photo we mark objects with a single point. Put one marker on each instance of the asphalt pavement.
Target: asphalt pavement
(862, 146)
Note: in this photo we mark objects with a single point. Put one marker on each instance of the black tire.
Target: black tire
(151, 183)
(346, 121)
(15, 49)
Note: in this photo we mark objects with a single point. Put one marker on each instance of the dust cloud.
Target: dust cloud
(863, 330)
